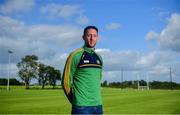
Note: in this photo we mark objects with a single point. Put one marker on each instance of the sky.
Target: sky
(139, 38)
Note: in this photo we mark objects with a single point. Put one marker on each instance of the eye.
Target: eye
(88, 35)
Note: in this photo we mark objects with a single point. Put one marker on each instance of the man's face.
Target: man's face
(90, 38)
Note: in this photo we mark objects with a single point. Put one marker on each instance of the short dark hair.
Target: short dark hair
(90, 27)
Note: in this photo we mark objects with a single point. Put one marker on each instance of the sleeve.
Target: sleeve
(69, 70)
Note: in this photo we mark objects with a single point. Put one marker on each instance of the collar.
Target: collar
(90, 50)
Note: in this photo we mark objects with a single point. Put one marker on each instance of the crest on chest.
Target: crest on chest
(89, 60)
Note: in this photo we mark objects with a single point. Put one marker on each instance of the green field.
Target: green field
(115, 101)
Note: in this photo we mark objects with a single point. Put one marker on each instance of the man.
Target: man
(82, 76)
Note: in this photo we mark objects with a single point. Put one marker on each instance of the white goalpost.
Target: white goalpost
(144, 87)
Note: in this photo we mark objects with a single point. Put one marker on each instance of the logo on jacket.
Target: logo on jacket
(86, 61)
(97, 61)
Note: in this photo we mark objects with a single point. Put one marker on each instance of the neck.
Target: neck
(92, 48)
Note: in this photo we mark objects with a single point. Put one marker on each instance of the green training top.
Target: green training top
(82, 77)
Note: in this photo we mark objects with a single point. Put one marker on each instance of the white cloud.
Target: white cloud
(151, 60)
(119, 60)
(168, 40)
(151, 35)
(156, 64)
(161, 68)
(82, 20)
(161, 12)
(175, 71)
(63, 11)
(57, 61)
(133, 60)
(11, 68)
(61, 35)
(16, 6)
(11, 28)
(102, 50)
(111, 76)
(113, 26)
(45, 41)
(169, 36)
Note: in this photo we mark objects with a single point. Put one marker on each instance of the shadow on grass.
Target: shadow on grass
(31, 88)
(44, 88)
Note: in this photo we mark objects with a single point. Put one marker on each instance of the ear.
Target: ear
(83, 37)
(98, 37)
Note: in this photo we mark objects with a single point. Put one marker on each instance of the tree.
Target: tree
(48, 75)
(42, 75)
(14, 81)
(54, 75)
(3, 81)
(105, 84)
(28, 69)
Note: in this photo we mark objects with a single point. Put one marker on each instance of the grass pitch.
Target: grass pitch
(115, 101)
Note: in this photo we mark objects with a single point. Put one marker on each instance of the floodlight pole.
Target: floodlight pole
(170, 72)
(138, 81)
(147, 81)
(9, 52)
(122, 78)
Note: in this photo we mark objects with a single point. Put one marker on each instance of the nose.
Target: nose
(91, 37)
